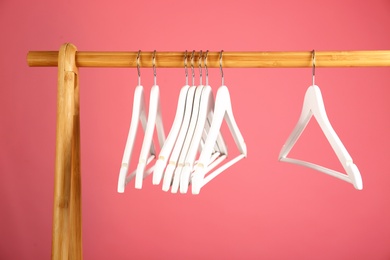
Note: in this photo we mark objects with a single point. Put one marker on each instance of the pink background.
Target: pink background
(257, 209)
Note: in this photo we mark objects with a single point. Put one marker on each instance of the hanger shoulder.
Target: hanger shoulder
(138, 115)
(231, 121)
(171, 139)
(147, 152)
(168, 174)
(222, 110)
(188, 138)
(205, 106)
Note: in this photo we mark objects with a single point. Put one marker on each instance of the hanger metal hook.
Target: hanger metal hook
(314, 67)
(154, 67)
(220, 67)
(205, 66)
(192, 67)
(185, 67)
(200, 67)
(138, 68)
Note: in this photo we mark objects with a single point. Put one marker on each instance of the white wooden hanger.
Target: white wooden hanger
(138, 114)
(222, 110)
(313, 104)
(154, 118)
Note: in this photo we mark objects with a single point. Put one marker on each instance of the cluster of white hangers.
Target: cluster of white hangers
(195, 131)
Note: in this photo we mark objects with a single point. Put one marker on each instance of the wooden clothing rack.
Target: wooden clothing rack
(67, 235)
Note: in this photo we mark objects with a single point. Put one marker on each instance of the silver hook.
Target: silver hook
(138, 68)
(154, 67)
(314, 67)
(185, 67)
(205, 66)
(220, 66)
(192, 67)
(200, 67)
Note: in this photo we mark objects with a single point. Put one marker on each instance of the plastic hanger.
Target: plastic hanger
(222, 110)
(154, 118)
(138, 114)
(313, 105)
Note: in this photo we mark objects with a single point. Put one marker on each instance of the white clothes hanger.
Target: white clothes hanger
(313, 105)
(138, 114)
(222, 110)
(154, 118)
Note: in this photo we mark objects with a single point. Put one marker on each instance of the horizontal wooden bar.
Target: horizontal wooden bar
(269, 59)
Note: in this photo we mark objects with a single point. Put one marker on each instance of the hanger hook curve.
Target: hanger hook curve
(205, 66)
(192, 67)
(220, 67)
(138, 67)
(200, 67)
(314, 66)
(185, 67)
(154, 67)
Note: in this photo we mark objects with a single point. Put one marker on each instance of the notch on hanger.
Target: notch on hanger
(313, 105)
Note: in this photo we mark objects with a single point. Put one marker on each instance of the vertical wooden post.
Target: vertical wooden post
(66, 237)
(75, 247)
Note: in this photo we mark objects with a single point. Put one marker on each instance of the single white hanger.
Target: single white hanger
(313, 105)
(154, 119)
(222, 110)
(170, 141)
(138, 114)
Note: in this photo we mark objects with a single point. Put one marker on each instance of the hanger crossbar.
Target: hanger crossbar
(269, 59)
